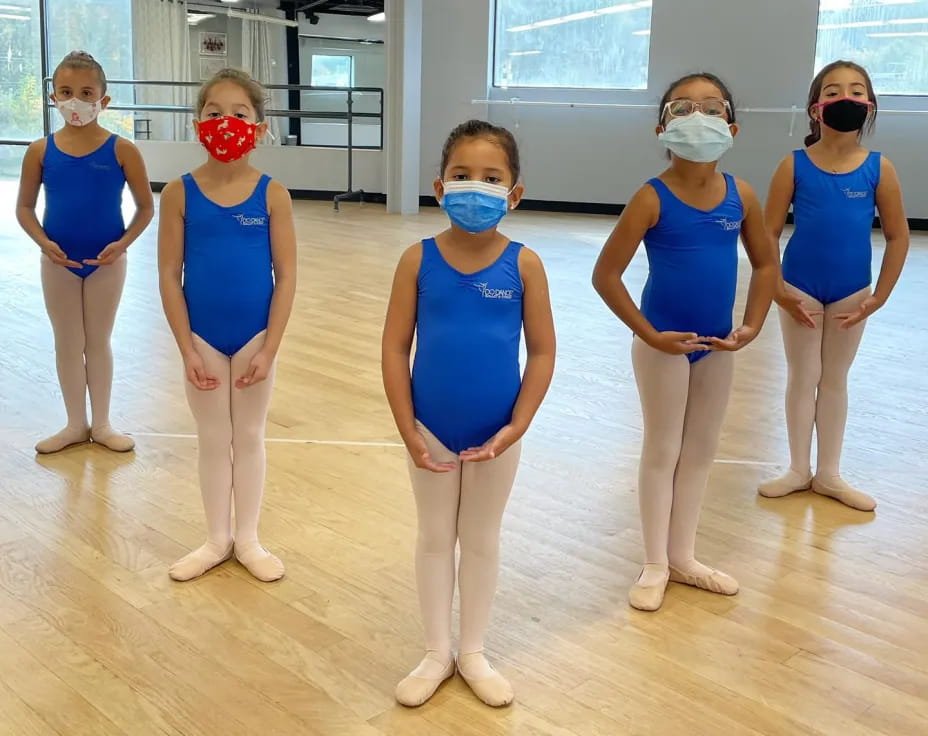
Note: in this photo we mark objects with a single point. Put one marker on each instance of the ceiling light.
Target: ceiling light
(377, 17)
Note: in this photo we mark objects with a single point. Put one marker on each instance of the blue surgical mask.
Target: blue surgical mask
(697, 137)
(475, 206)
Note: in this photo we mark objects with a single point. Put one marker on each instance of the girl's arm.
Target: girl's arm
(541, 346)
(283, 253)
(133, 167)
(779, 198)
(896, 231)
(170, 275)
(29, 184)
(765, 276)
(398, 330)
(639, 216)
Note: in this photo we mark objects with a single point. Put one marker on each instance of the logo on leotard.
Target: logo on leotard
(489, 293)
(243, 220)
(729, 224)
(854, 195)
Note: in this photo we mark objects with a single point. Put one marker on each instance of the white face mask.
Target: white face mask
(697, 137)
(77, 112)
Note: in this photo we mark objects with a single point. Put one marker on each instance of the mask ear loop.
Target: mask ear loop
(509, 204)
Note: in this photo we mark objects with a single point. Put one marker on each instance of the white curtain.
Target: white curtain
(161, 52)
(259, 43)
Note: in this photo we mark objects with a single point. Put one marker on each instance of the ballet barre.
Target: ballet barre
(791, 111)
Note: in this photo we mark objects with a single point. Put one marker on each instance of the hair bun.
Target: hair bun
(81, 54)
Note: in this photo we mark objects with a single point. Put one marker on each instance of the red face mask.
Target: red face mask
(228, 138)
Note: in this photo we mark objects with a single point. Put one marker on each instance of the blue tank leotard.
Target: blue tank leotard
(693, 260)
(228, 270)
(829, 254)
(465, 376)
(83, 201)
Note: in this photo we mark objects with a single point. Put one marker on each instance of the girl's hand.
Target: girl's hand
(108, 255)
(738, 338)
(257, 371)
(197, 373)
(58, 256)
(867, 307)
(419, 452)
(679, 343)
(493, 447)
(796, 307)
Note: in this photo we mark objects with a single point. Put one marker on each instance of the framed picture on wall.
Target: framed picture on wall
(212, 44)
(209, 65)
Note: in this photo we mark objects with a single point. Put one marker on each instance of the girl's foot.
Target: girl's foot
(647, 594)
(259, 562)
(111, 439)
(786, 484)
(699, 576)
(67, 437)
(835, 488)
(420, 684)
(199, 562)
(486, 683)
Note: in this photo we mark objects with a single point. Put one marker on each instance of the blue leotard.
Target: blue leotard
(829, 254)
(693, 259)
(465, 376)
(228, 276)
(83, 201)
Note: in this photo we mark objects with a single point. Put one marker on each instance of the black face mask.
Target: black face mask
(846, 115)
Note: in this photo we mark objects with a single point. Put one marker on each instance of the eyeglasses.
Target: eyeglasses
(681, 108)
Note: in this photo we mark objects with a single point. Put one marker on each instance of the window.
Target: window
(20, 85)
(332, 71)
(102, 28)
(888, 37)
(594, 44)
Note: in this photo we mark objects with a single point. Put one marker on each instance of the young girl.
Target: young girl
(83, 238)
(466, 295)
(227, 259)
(825, 296)
(690, 218)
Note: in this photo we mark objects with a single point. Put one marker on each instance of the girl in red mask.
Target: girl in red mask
(227, 263)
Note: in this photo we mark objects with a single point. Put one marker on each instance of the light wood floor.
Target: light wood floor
(829, 634)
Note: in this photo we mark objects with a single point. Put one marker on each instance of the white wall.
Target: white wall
(295, 167)
(455, 58)
(765, 52)
(232, 27)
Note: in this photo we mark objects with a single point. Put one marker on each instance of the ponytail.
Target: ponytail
(816, 132)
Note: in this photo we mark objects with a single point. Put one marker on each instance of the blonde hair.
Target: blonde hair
(81, 60)
(256, 93)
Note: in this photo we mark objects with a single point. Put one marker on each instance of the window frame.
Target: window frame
(918, 100)
(495, 85)
(351, 69)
